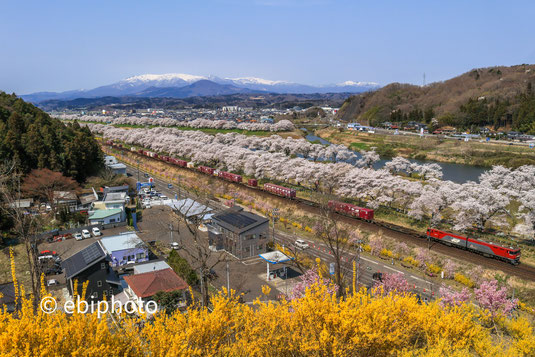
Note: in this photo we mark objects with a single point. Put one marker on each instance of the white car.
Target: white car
(96, 231)
(85, 233)
(301, 244)
(175, 246)
(52, 282)
(78, 236)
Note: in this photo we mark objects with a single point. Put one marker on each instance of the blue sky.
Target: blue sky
(60, 45)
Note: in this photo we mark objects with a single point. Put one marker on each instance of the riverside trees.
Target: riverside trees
(334, 170)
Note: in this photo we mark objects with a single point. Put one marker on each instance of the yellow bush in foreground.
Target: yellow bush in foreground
(316, 325)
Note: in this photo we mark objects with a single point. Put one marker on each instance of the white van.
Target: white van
(301, 244)
(96, 232)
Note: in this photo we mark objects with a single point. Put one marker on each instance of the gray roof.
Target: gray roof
(87, 257)
(188, 207)
(115, 196)
(24, 203)
(152, 266)
(123, 241)
(123, 188)
(237, 220)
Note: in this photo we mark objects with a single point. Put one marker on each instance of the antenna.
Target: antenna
(424, 80)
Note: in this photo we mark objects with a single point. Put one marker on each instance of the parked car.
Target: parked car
(52, 282)
(146, 175)
(163, 197)
(78, 236)
(146, 205)
(175, 246)
(169, 185)
(96, 231)
(301, 244)
(85, 233)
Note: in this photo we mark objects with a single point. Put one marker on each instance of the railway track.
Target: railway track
(526, 272)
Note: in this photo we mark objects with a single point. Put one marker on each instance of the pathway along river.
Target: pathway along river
(458, 173)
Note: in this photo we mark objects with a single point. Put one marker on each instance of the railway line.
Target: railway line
(523, 271)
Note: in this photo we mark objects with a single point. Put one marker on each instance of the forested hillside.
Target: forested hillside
(498, 97)
(32, 139)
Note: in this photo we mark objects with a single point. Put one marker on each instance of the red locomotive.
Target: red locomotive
(351, 210)
(280, 190)
(229, 176)
(491, 250)
(206, 170)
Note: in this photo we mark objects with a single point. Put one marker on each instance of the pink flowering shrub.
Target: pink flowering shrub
(494, 299)
(308, 279)
(393, 283)
(452, 297)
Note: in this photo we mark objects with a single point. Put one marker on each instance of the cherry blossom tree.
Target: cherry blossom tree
(494, 299)
(395, 283)
(453, 298)
(309, 279)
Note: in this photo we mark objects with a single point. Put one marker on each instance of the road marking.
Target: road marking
(387, 267)
(415, 277)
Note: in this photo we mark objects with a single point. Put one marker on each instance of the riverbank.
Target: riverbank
(433, 148)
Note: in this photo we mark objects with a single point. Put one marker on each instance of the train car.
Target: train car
(280, 190)
(229, 176)
(206, 170)
(133, 149)
(252, 182)
(180, 163)
(109, 143)
(190, 165)
(487, 249)
(352, 210)
(165, 158)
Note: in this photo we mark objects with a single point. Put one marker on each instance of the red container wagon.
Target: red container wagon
(109, 143)
(140, 151)
(180, 163)
(229, 176)
(165, 158)
(351, 210)
(487, 249)
(252, 183)
(206, 170)
(280, 190)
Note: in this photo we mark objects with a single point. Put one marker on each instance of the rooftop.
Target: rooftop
(114, 196)
(237, 220)
(152, 266)
(188, 207)
(78, 262)
(124, 241)
(148, 284)
(103, 213)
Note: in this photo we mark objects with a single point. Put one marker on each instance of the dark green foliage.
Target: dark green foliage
(182, 268)
(32, 139)
(168, 301)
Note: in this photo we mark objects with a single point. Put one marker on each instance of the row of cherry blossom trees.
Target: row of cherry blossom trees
(283, 125)
(298, 162)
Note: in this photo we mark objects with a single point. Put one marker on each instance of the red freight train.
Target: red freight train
(252, 182)
(510, 255)
(229, 176)
(351, 210)
(206, 170)
(280, 190)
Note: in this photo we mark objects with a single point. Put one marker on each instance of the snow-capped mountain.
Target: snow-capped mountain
(139, 85)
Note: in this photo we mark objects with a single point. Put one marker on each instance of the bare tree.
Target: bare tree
(194, 242)
(26, 225)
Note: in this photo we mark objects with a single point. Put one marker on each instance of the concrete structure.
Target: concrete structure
(125, 248)
(152, 266)
(243, 234)
(115, 166)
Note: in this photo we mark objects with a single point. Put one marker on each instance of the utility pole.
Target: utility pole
(138, 170)
(359, 242)
(274, 213)
(171, 231)
(178, 186)
(228, 281)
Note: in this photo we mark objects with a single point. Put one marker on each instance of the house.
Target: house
(243, 234)
(91, 265)
(125, 248)
(107, 189)
(23, 203)
(152, 266)
(106, 216)
(86, 201)
(145, 285)
(66, 199)
(115, 166)
(7, 299)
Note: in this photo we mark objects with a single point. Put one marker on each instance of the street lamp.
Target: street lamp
(359, 242)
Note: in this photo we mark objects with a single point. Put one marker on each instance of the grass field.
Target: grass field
(433, 148)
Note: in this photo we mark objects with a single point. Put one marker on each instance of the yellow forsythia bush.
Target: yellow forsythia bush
(460, 278)
(387, 253)
(433, 268)
(410, 260)
(316, 325)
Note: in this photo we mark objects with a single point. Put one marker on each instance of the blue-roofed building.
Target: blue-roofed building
(125, 248)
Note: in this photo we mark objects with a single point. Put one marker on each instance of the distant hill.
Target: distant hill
(263, 100)
(494, 96)
(148, 83)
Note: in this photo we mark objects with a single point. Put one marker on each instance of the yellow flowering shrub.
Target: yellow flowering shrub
(433, 268)
(387, 253)
(460, 278)
(410, 260)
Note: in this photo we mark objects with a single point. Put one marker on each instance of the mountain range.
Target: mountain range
(179, 85)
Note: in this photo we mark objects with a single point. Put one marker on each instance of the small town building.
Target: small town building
(151, 266)
(106, 216)
(191, 209)
(91, 265)
(243, 234)
(145, 285)
(66, 199)
(125, 248)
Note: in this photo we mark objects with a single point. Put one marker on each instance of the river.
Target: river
(459, 173)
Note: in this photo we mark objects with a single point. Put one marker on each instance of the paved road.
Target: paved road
(368, 266)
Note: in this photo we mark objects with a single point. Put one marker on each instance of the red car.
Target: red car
(487, 249)
(351, 210)
(280, 190)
